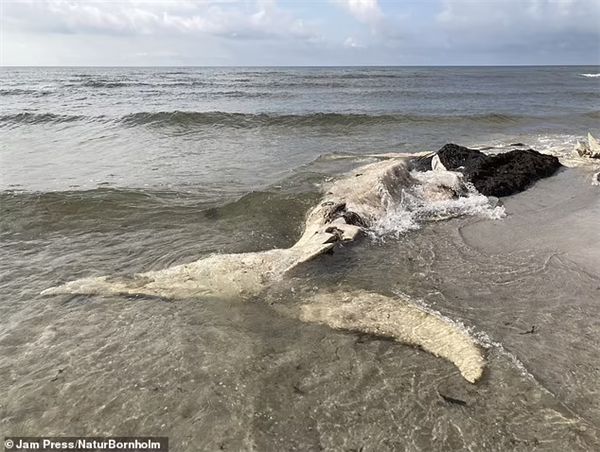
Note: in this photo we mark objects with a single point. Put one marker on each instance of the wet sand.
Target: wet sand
(557, 222)
(561, 213)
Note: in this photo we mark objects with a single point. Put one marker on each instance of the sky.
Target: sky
(299, 33)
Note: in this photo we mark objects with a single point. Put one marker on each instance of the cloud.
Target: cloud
(384, 27)
(367, 11)
(501, 23)
(316, 32)
(353, 43)
(525, 32)
(220, 18)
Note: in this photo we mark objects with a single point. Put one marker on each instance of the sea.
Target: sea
(114, 171)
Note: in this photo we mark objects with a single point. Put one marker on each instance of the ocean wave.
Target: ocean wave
(39, 118)
(101, 199)
(245, 120)
(399, 75)
(221, 119)
(179, 83)
(590, 75)
(23, 92)
(266, 73)
(592, 114)
(247, 95)
(290, 83)
(335, 75)
(111, 84)
(102, 209)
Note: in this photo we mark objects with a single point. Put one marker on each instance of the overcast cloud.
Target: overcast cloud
(288, 32)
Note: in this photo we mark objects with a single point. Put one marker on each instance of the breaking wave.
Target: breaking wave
(414, 210)
(112, 84)
(222, 119)
(243, 120)
(39, 118)
(248, 121)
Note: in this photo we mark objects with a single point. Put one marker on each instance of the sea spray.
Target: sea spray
(415, 209)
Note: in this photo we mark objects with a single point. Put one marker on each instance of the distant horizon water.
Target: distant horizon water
(597, 65)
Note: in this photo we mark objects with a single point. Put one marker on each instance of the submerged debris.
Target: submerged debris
(452, 400)
(591, 149)
(532, 330)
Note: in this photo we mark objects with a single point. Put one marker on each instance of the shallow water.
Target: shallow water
(218, 375)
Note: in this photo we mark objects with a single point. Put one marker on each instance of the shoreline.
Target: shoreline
(559, 213)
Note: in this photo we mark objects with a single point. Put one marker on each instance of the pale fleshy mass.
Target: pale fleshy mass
(288, 32)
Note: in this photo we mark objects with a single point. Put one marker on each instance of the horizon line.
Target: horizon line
(299, 66)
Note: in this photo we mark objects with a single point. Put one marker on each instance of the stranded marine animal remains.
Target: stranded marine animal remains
(351, 205)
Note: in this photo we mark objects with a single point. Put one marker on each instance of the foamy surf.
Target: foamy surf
(590, 75)
(415, 208)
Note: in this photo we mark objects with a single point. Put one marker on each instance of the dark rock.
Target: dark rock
(420, 163)
(494, 175)
(454, 157)
(511, 172)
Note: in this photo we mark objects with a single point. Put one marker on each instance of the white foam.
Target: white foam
(542, 142)
(590, 75)
(562, 146)
(415, 209)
